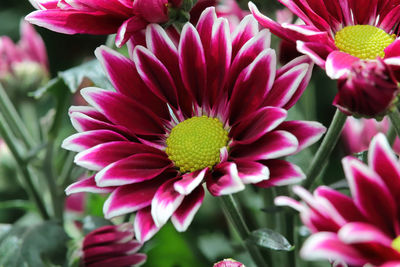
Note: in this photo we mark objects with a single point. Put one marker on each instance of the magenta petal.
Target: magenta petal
(393, 50)
(272, 145)
(121, 110)
(98, 253)
(246, 29)
(87, 185)
(130, 198)
(252, 172)
(253, 84)
(130, 26)
(316, 51)
(384, 162)
(165, 202)
(326, 245)
(224, 180)
(155, 75)
(192, 62)
(85, 140)
(282, 173)
(134, 169)
(98, 157)
(190, 181)
(145, 227)
(33, 44)
(338, 64)
(256, 124)
(364, 183)
(122, 73)
(184, 215)
(121, 261)
(359, 232)
(109, 234)
(306, 132)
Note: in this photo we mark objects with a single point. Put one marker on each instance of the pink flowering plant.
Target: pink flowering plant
(199, 133)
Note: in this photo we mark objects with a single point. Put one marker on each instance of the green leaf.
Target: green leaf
(267, 238)
(92, 70)
(33, 246)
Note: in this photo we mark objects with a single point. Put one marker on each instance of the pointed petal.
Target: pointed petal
(87, 185)
(190, 181)
(85, 140)
(145, 227)
(338, 64)
(306, 132)
(224, 180)
(282, 173)
(251, 172)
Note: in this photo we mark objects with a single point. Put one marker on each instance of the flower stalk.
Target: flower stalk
(233, 214)
(326, 148)
(395, 119)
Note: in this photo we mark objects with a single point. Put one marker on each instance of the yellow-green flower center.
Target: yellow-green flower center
(196, 142)
(363, 41)
(396, 243)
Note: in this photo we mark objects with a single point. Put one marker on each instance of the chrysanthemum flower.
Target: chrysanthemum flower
(23, 64)
(229, 263)
(358, 133)
(210, 111)
(361, 229)
(112, 245)
(355, 42)
(124, 17)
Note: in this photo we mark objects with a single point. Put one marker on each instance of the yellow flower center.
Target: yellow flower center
(363, 41)
(396, 243)
(196, 142)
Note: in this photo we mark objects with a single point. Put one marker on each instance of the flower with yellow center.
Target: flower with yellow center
(196, 142)
(363, 41)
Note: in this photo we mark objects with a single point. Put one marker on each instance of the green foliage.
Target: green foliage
(33, 246)
(267, 238)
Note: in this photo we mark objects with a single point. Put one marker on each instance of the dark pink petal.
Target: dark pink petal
(306, 132)
(98, 157)
(192, 62)
(256, 124)
(246, 55)
(338, 64)
(134, 169)
(184, 215)
(130, 26)
(145, 227)
(247, 28)
(218, 60)
(205, 27)
(224, 180)
(122, 73)
(316, 51)
(391, 19)
(393, 50)
(121, 261)
(85, 140)
(253, 84)
(272, 145)
(360, 232)
(130, 198)
(281, 173)
(364, 183)
(286, 86)
(87, 185)
(252, 172)
(384, 162)
(97, 253)
(190, 181)
(165, 202)
(33, 44)
(108, 234)
(326, 245)
(155, 75)
(71, 22)
(124, 111)
(290, 202)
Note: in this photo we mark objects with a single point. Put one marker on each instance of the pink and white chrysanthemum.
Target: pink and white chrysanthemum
(228, 263)
(354, 41)
(361, 229)
(26, 58)
(358, 133)
(112, 245)
(124, 17)
(210, 111)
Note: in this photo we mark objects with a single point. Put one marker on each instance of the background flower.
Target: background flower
(360, 229)
(184, 123)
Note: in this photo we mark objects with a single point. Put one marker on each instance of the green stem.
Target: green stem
(11, 142)
(64, 178)
(325, 148)
(234, 215)
(395, 119)
(14, 120)
(391, 135)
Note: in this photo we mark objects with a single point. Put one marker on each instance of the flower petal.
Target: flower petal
(145, 227)
(224, 180)
(190, 181)
(281, 173)
(306, 132)
(251, 172)
(338, 64)
(87, 185)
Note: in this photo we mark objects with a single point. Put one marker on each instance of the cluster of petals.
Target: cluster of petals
(229, 263)
(30, 51)
(366, 87)
(358, 133)
(124, 17)
(112, 245)
(228, 77)
(361, 229)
